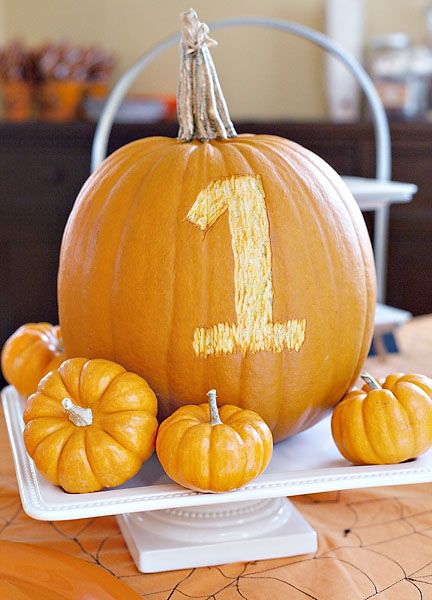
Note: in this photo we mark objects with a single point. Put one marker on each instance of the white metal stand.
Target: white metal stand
(180, 538)
(377, 196)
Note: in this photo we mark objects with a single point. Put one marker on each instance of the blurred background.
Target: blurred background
(273, 75)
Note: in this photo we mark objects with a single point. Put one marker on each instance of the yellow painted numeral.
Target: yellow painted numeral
(243, 197)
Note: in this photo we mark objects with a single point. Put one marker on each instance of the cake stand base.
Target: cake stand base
(200, 536)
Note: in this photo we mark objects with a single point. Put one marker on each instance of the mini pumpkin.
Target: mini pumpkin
(389, 382)
(90, 424)
(385, 424)
(241, 260)
(31, 352)
(211, 450)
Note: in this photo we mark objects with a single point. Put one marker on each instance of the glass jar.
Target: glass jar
(401, 73)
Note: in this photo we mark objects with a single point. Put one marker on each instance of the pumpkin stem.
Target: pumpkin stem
(370, 381)
(214, 413)
(81, 417)
(201, 108)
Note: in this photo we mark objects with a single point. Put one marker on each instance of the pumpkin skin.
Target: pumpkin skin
(112, 447)
(33, 572)
(389, 382)
(209, 455)
(137, 277)
(31, 352)
(386, 425)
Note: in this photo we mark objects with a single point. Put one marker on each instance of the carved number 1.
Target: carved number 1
(243, 197)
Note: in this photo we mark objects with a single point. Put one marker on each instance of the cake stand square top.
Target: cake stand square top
(306, 463)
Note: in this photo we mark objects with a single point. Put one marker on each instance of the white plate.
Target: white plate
(306, 463)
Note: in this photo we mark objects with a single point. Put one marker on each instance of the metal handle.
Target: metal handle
(382, 132)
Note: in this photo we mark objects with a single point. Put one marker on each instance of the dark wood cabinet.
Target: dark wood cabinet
(43, 166)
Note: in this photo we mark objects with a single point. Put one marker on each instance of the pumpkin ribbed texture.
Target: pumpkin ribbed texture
(31, 352)
(390, 424)
(213, 458)
(143, 283)
(90, 425)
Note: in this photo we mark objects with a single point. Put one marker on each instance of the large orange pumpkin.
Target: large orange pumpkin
(215, 260)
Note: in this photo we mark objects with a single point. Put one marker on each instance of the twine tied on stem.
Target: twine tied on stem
(201, 108)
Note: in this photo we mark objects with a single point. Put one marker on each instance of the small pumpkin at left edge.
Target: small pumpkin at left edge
(90, 424)
(30, 353)
(214, 450)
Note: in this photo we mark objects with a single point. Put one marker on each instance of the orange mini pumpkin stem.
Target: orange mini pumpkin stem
(370, 381)
(214, 412)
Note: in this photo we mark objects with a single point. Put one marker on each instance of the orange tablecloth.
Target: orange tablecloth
(374, 543)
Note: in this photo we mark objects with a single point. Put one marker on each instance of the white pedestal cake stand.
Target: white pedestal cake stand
(169, 527)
